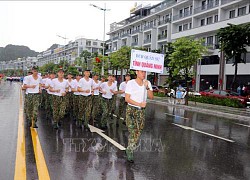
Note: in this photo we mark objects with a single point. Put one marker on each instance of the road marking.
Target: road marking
(193, 129)
(99, 131)
(176, 116)
(42, 169)
(242, 125)
(20, 166)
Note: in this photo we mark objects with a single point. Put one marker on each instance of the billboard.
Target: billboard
(147, 61)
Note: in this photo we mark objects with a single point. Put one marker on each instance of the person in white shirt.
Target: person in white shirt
(48, 101)
(85, 106)
(136, 94)
(25, 94)
(113, 106)
(122, 103)
(108, 89)
(59, 87)
(76, 96)
(32, 84)
(69, 96)
(95, 97)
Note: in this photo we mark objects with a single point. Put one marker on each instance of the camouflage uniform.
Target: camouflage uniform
(88, 107)
(113, 106)
(81, 107)
(48, 106)
(69, 103)
(76, 101)
(43, 98)
(59, 107)
(106, 107)
(122, 107)
(135, 119)
(95, 106)
(32, 105)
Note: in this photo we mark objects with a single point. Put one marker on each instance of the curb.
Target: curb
(205, 111)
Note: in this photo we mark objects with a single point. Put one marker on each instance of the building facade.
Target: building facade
(70, 51)
(153, 26)
(24, 64)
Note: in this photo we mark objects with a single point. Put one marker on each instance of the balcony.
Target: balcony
(225, 1)
(134, 43)
(164, 21)
(148, 27)
(124, 35)
(211, 46)
(206, 7)
(115, 38)
(182, 15)
(108, 50)
(162, 36)
(135, 31)
(147, 41)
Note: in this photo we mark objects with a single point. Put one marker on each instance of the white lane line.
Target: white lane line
(242, 125)
(99, 131)
(176, 116)
(192, 129)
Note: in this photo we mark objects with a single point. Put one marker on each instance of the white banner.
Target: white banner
(147, 61)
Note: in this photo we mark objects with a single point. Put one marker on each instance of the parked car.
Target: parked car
(221, 94)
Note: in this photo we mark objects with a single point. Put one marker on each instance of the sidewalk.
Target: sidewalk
(242, 114)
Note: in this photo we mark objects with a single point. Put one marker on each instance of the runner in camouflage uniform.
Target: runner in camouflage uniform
(33, 85)
(59, 87)
(76, 96)
(95, 97)
(69, 96)
(136, 93)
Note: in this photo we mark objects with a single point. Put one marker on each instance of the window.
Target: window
(202, 22)
(94, 43)
(216, 2)
(191, 9)
(203, 5)
(210, 20)
(210, 40)
(181, 13)
(88, 43)
(216, 42)
(185, 27)
(216, 18)
(242, 11)
(190, 25)
(232, 14)
(186, 11)
(209, 3)
(180, 28)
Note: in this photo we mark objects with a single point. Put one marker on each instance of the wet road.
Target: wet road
(204, 147)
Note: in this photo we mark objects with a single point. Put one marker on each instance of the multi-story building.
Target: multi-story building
(24, 63)
(153, 26)
(70, 51)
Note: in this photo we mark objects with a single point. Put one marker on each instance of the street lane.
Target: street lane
(165, 151)
(9, 106)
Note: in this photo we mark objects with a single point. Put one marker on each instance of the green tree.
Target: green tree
(233, 42)
(187, 51)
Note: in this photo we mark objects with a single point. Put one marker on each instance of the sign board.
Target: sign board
(147, 61)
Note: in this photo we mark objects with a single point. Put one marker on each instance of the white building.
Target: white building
(152, 27)
(70, 51)
(24, 63)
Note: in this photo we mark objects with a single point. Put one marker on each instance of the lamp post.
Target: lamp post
(104, 10)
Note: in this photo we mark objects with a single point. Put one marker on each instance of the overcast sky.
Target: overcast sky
(37, 24)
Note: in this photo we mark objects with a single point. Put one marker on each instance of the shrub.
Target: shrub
(217, 101)
(159, 94)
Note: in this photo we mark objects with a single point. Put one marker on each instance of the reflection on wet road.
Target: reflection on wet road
(166, 151)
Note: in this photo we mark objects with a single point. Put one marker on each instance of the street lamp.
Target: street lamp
(104, 10)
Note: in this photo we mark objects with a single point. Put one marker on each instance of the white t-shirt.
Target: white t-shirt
(96, 85)
(44, 82)
(85, 85)
(75, 85)
(24, 79)
(122, 87)
(56, 84)
(105, 87)
(29, 80)
(137, 92)
(70, 84)
(49, 83)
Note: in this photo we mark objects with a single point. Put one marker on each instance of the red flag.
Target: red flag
(97, 60)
